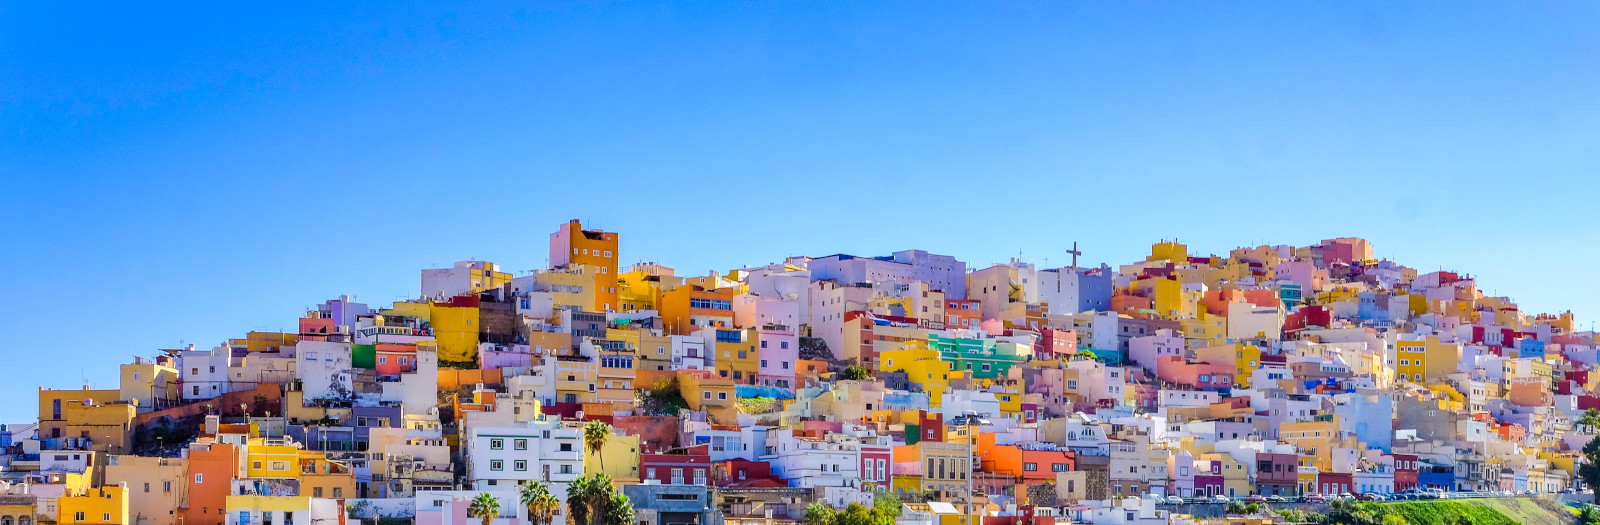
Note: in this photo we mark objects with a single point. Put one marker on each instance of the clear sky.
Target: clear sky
(188, 173)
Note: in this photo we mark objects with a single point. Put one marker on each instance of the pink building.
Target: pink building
(1174, 369)
(1146, 351)
(875, 460)
(778, 348)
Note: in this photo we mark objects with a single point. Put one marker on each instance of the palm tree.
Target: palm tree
(542, 505)
(579, 492)
(484, 507)
(594, 438)
(619, 511)
(1590, 419)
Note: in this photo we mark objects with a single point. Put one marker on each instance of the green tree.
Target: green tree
(595, 435)
(579, 492)
(484, 507)
(857, 514)
(541, 504)
(819, 514)
(853, 372)
(1589, 420)
(1394, 519)
(887, 502)
(1590, 470)
(619, 511)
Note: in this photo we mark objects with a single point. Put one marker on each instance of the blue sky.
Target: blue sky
(189, 173)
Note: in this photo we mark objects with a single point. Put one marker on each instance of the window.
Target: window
(785, 364)
(722, 395)
(383, 360)
(256, 465)
(311, 356)
(78, 516)
(763, 363)
(166, 486)
(316, 492)
(566, 447)
(784, 345)
(520, 444)
(520, 465)
(497, 444)
(763, 344)
(1030, 467)
(495, 464)
(338, 492)
(280, 465)
(199, 478)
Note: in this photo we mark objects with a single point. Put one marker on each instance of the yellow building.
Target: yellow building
(275, 509)
(320, 478)
(265, 341)
(570, 286)
(1244, 358)
(619, 457)
(1317, 438)
(921, 364)
(1204, 329)
(102, 506)
(1427, 360)
(577, 378)
(156, 486)
(96, 415)
(1169, 251)
(149, 386)
(1168, 297)
(573, 245)
(639, 289)
(1235, 475)
(271, 458)
(736, 356)
(708, 392)
(455, 329)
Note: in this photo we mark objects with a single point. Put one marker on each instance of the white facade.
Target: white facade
(323, 368)
(833, 461)
(501, 458)
(942, 272)
(204, 374)
(444, 283)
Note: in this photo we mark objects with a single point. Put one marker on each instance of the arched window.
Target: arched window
(5, 520)
(25, 520)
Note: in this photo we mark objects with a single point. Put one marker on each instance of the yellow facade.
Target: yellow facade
(619, 457)
(1171, 251)
(570, 287)
(577, 379)
(1169, 299)
(921, 365)
(737, 360)
(102, 506)
(320, 478)
(710, 393)
(637, 290)
(155, 486)
(271, 459)
(1410, 358)
(148, 385)
(278, 506)
(265, 341)
(1321, 436)
(455, 328)
(1204, 329)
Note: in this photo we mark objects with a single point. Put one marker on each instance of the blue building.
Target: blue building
(655, 504)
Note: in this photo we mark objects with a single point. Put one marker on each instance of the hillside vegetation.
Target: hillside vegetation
(1447, 512)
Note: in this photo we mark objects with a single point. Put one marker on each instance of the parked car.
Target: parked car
(1255, 498)
(1219, 499)
(1315, 498)
(1370, 496)
(1174, 500)
(1277, 499)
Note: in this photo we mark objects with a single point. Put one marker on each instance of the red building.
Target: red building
(875, 464)
(1405, 471)
(746, 474)
(679, 466)
(1335, 482)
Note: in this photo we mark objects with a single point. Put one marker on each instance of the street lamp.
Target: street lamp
(967, 420)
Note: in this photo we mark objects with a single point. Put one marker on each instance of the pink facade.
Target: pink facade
(1148, 350)
(515, 356)
(778, 348)
(1174, 369)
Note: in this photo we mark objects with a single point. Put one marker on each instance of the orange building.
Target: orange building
(212, 468)
(574, 245)
(963, 313)
(689, 308)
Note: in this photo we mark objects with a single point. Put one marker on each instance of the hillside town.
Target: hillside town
(921, 388)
